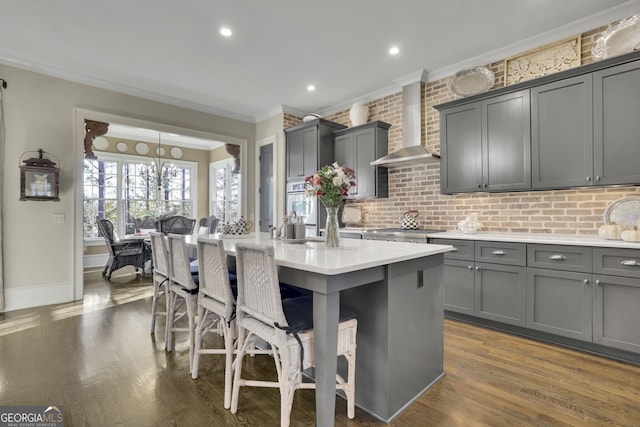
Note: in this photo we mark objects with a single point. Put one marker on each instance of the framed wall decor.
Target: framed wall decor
(544, 60)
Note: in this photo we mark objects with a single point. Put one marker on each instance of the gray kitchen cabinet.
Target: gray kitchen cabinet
(486, 145)
(562, 134)
(616, 126)
(616, 313)
(309, 146)
(500, 293)
(357, 147)
(459, 276)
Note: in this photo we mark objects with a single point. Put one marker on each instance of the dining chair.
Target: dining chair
(145, 223)
(176, 224)
(210, 224)
(183, 290)
(216, 308)
(161, 280)
(287, 326)
(122, 252)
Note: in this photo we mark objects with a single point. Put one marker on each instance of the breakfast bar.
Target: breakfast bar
(396, 290)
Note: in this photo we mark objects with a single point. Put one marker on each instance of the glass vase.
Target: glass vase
(332, 229)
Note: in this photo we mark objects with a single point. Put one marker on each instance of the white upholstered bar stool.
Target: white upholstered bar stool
(183, 290)
(216, 308)
(287, 326)
(160, 257)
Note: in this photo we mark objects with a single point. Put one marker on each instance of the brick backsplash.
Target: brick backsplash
(572, 211)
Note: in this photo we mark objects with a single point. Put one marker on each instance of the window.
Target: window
(121, 188)
(225, 191)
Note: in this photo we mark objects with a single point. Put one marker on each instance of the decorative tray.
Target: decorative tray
(624, 212)
(472, 80)
(621, 37)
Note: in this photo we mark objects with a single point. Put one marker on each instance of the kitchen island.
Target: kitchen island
(396, 290)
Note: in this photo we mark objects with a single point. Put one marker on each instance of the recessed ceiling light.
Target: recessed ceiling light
(311, 88)
(394, 50)
(225, 31)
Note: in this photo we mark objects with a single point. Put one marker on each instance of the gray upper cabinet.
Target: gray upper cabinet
(486, 145)
(309, 146)
(562, 134)
(616, 95)
(357, 147)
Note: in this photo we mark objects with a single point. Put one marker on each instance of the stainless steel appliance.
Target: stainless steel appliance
(397, 235)
(298, 201)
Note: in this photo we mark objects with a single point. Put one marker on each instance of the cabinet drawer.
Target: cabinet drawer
(557, 257)
(463, 249)
(617, 262)
(501, 253)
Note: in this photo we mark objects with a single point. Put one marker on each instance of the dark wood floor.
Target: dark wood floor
(97, 359)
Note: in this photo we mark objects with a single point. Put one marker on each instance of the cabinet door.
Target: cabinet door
(616, 95)
(562, 133)
(309, 151)
(458, 286)
(346, 155)
(500, 293)
(560, 302)
(460, 145)
(506, 142)
(616, 317)
(365, 152)
(294, 155)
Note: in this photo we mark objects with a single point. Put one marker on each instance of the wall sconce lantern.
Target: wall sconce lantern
(39, 178)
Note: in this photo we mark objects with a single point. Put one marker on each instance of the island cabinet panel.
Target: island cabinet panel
(562, 134)
(616, 124)
(616, 312)
(309, 146)
(486, 145)
(560, 302)
(357, 147)
(500, 293)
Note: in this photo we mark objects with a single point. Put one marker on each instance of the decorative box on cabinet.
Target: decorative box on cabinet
(357, 147)
(616, 301)
(559, 290)
(486, 145)
(309, 146)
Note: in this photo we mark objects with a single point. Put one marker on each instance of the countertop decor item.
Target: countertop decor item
(624, 212)
(632, 235)
(610, 231)
(331, 185)
(352, 214)
(470, 225)
(309, 117)
(408, 220)
(548, 59)
(619, 38)
(472, 81)
(359, 114)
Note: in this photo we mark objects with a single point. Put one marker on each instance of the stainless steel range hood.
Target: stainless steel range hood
(412, 152)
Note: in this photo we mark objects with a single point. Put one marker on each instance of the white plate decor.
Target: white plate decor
(176, 153)
(122, 147)
(142, 148)
(310, 117)
(100, 143)
(621, 37)
(352, 214)
(472, 81)
(624, 212)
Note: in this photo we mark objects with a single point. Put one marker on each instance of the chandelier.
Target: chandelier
(164, 169)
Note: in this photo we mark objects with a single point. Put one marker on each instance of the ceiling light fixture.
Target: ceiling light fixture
(394, 50)
(311, 88)
(225, 31)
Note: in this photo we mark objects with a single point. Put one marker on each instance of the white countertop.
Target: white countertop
(352, 255)
(550, 239)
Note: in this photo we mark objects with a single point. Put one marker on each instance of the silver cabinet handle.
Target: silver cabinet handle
(470, 267)
(598, 282)
(630, 263)
(597, 177)
(586, 281)
(501, 253)
(477, 268)
(557, 257)
(588, 179)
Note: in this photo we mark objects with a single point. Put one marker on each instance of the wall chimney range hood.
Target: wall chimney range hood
(412, 152)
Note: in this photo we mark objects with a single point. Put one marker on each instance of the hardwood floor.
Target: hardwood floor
(97, 359)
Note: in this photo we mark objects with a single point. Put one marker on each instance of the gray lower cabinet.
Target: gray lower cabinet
(560, 302)
(616, 312)
(500, 293)
(357, 147)
(562, 134)
(459, 286)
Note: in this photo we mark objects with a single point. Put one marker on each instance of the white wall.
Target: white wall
(39, 113)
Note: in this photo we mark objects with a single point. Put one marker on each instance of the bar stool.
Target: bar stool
(160, 257)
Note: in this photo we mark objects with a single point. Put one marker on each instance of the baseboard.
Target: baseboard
(36, 296)
(95, 261)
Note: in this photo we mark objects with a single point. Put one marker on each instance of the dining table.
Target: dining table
(396, 290)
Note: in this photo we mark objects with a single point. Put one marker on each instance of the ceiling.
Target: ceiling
(172, 51)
